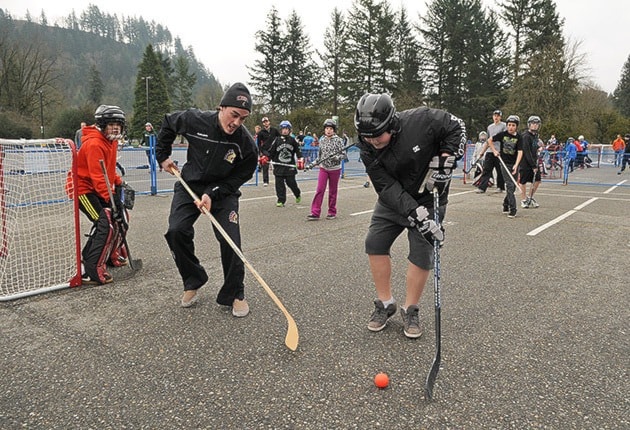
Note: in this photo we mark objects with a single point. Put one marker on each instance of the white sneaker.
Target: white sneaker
(240, 308)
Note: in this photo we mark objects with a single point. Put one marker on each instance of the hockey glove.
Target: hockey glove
(419, 219)
(439, 175)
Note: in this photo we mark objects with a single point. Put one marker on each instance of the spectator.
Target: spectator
(618, 146)
(221, 157)
(266, 137)
(78, 134)
(330, 152)
(146, 141)
(570, 152)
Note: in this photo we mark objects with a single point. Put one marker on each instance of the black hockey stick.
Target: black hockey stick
(476, 163)
(435, 367)
(115, 213)
(317, 162)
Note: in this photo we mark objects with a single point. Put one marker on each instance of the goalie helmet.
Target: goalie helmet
(106, 114)
(374, 115)
(330, 123)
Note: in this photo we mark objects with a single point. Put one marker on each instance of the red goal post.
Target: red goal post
(40, 242)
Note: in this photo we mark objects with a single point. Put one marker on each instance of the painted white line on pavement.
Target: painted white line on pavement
(561, 217)
(362, 213)
(611, 189)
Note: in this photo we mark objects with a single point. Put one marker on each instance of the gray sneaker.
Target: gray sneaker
(379, 317)
(411, 322)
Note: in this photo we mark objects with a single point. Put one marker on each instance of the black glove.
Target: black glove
(419, 218)
(439, 175)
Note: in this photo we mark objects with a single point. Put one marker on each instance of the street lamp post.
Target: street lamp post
(146, 81)
(41, 111)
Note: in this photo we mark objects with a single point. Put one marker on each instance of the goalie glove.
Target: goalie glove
(439, 174)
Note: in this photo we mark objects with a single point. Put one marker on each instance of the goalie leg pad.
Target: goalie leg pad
(99, 247)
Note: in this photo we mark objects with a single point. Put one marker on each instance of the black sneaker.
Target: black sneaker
(86, 280)
(506, 209)
(379, 317)
(312, 217)
(411, 321)
(512, 214)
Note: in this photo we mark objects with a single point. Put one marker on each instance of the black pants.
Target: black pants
(491, 162)
(281, 187)
(180, 239)
(626, 160)
(95, 252)
(265, 172)
(509, 200)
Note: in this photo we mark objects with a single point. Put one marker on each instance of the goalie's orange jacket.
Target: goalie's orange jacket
(95, 147)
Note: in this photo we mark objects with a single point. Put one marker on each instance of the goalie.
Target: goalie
(106, 243)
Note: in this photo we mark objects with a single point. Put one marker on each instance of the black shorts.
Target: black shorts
(526, 174)
(386, 225)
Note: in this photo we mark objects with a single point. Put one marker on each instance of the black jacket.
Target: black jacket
(217, 164)
(398, 170)
(284, 150)
(266, 138)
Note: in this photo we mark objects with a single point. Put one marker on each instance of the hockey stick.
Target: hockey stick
(275, 163)
(475, 163)
(115, 212)
(292, 337)
(435, 367)
(317, 162)
(508, 171)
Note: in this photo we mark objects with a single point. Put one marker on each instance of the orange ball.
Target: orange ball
(381, 380)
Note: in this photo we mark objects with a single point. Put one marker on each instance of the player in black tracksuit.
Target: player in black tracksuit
(528, 169)
(406, 155)
(221, 157)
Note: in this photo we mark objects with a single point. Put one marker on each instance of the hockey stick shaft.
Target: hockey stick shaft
(115, 211)
(435, 367)
(320, 161)
(275, 163)
(509, 173)
(292, 338)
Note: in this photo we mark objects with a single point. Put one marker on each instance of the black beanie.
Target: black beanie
(237, 96)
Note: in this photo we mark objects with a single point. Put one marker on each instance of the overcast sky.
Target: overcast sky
(222, 37)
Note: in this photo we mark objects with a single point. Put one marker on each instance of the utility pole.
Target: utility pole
(41, 111)
(146, 81)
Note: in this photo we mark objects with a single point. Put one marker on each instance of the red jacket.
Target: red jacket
(95, 147)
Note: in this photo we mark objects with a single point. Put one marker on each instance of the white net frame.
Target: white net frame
(39, 222)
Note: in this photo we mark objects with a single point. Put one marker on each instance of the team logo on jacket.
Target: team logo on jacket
(233, 218)
(230, 156)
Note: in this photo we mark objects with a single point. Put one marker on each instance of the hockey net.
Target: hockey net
(40, 247)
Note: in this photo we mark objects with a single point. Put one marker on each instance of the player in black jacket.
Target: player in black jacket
(406, 154)
(221, 157)
(528, 169)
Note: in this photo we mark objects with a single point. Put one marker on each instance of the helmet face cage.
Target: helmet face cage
(110, 114)
(374, 115)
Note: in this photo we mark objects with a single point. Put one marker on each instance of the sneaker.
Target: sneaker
(240, 308)
(279, 205)
(525, 203)
(298, 200)
(379, 317)
(411, 322)
(86, 280)
(312, 217)
(506, 209)
(480, 191)
(331, 216)
(512, 214)
(265, 184)
(189, 298)
(620, 172)
(533, 203)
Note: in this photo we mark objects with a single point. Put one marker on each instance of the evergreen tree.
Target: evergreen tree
(264, 74)
(184, 81)
(96, 87)
(332, 57)
(299, 85)
(407, 78)
(151, 84)
(621, 95)
(514, 13)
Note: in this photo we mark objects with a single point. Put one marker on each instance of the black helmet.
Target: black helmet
(105, 114)
(374, 115)
(330, 123)
(513, 118)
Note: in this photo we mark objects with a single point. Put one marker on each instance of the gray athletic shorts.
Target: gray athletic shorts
(386, 225)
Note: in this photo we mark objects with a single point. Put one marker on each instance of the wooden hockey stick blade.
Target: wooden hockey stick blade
(292, 338)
